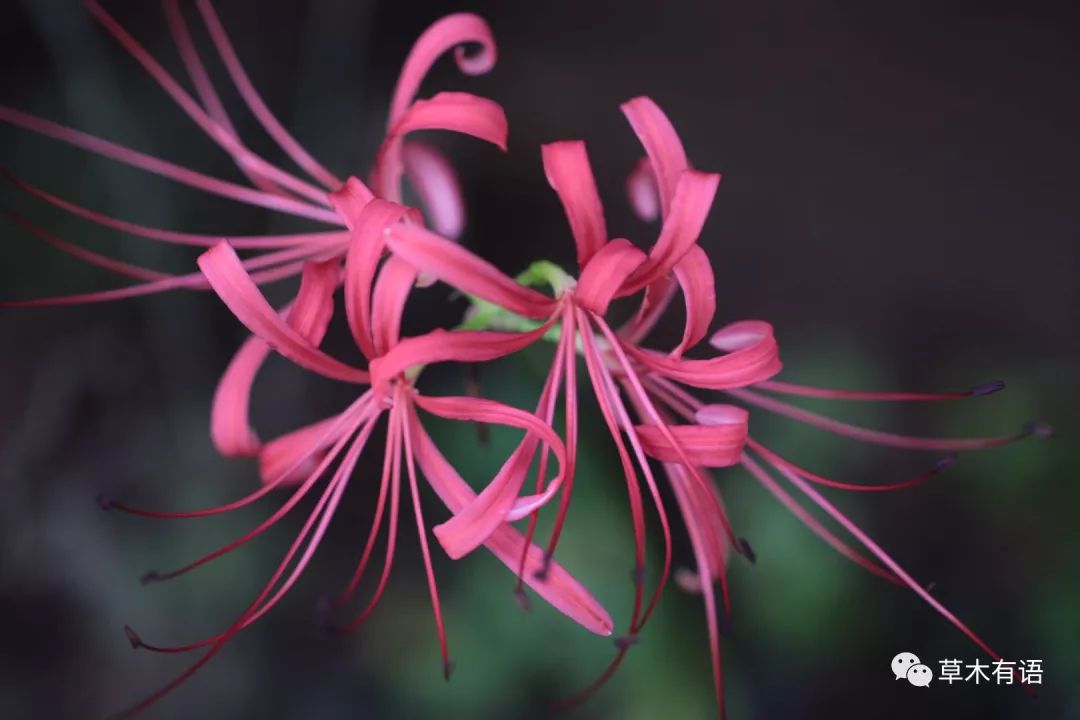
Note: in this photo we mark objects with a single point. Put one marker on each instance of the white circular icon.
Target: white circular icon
(902, 663)
(919, 675)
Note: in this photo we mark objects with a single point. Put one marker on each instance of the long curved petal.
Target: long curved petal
(566, 165)
(473, 524)
(461, 269)
(657, 135)
(605, 274)
(690, 205)
(557, 586)
(455, 111)
(365, 249)
(695, 277)
(753, 356)
(451, 32)
(227, 277)
(444, 345)
(718, 444)
(309, 314)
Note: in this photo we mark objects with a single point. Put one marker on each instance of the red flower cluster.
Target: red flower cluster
(380, 249)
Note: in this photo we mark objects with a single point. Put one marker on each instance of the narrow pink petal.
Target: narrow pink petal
(451, 32)
(435, 182)
(350, 200)
(455, 111)
(461, 269)
(654, 303)
(657, 135)
(278, 458)
(642, 192)
(230, 425)
(686, 216)
(558, 587)
(255, 102)
(566, 165)
(365, 250)
(314, 304)
(166, 169)
(695, 276)
(396, 280)
(232, 283)
(754, 360)
(704, 445)
(605, 273)
(442, 346)
(309, 314)
(701, 518)
(474, 523)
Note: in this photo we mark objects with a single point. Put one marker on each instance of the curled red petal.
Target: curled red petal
(230, 426)
(605, 273)
(753, 357)
(451, 32)
(461, 269)
(307, 445)
(473, 524)
(309, 314)
(350, 199)
(657, 135)
(455, 111)
(566, 165)
(705, 445)
(396, 280)
(226, 275)
(361, 260)
(690, 205)
(555, 584)
(702, 515)
(695, 277)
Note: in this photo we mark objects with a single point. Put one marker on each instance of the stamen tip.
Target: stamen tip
(150, 576)
(103, 501)
(522, 599)
(725, 625)
(1038, 429)
(638, 575)
(542, 573)
(946, 461)
(448, 668)
(625, 642)
(747, 551)
(988, 388)
(133, 637)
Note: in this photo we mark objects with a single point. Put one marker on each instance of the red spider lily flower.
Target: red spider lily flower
(664, 184)
(300, 458)
(280, 256)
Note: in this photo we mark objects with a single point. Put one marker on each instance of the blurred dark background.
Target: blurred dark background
(900, 200)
